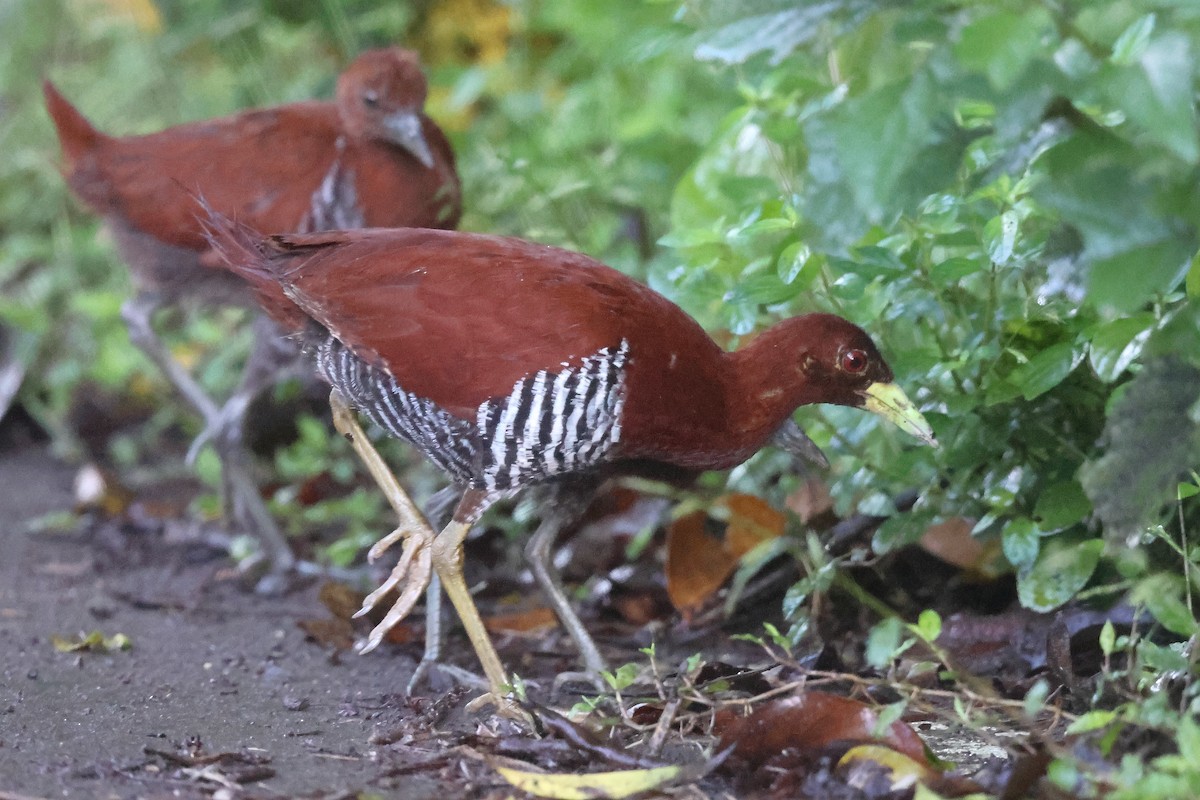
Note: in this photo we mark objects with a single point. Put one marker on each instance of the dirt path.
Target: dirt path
(212, 670)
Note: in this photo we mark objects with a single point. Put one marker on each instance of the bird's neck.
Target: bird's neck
(767, 383)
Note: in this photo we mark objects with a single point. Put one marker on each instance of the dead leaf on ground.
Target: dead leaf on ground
(528, 621)
(337, 634)
(952, 542)
(810, 721)
(699, 562)
(100, 490)
(571, 786)
(94, 642)
(811, 501)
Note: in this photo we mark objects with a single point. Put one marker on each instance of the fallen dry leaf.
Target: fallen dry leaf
(810, 721)
(534, 619)
(699, 562)
(811, 501)
(952, 542)
(591, 785)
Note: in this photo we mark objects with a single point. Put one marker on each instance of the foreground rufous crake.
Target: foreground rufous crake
(370, 157)
(511, 364)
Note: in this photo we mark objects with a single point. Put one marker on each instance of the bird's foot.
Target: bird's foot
(221, 428)
(411, 573)
(505, 706)
(583, 676)
(427, 668)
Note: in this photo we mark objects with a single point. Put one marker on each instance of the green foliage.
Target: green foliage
(1003, 194)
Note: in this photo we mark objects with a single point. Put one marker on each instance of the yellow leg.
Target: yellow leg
(423, 552)
(414, 568)
(447, 560)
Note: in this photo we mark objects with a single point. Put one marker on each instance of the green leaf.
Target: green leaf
(1115, 345)
(1003, 44)
(1187, 736)
(952, 270)
(1000, 237)
(1091, 721)
(1163, 595)
(1150, 440)
(1108, 638)
(1157, 94)
(885, 642)
(1133, 41)
(1192, 282)
(873, 140)
(1021, 541)
(779, 33)
(1061, 570)
(797, 267)
(929, 625)
(1046, 370)
(1127, 280)
(1061, 504)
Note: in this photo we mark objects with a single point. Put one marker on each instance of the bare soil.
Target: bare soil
(220, 692)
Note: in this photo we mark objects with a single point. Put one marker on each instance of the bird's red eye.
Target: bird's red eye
(854, 361)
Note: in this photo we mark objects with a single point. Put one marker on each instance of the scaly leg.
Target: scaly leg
(438, 511)
(564, 504)
(414, 568)
(239, 491)
(447, 560)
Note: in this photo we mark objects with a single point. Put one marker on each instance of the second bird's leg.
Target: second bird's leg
(412, 572)
(239, 491)
(565, 504)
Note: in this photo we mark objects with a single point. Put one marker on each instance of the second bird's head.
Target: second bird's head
(381, 95)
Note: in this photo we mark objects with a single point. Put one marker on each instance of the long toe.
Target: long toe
(411, 576)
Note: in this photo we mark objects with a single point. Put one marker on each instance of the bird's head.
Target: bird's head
(380, 96)
(840, 364)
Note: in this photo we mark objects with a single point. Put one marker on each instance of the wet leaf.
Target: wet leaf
(592, 785)
(94, 642)
(1046, 370)
(903, 770)
(1060, 571)
(810, 721)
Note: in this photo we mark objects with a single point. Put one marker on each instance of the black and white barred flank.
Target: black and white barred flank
(551, 423)
(334, 204)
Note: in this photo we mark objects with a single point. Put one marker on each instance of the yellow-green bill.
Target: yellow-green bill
(890, 402)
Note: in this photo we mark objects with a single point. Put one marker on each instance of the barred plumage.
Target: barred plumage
(334, 203)
(548, 425)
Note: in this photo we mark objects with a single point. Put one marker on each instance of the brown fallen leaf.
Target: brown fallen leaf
(810, 721)
(528, 621)
(337, 634)
(699, 562)
(952, 542)
(341, 600)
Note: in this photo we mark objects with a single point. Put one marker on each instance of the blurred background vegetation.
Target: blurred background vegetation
(1005, 193)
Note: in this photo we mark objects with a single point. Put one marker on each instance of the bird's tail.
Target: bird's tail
(255, 259)
(76, 135)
